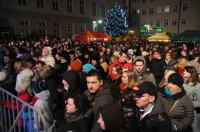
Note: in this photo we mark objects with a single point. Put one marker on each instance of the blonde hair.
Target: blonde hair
(132, 79)
(45, 71)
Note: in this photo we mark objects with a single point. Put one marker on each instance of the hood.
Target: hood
(23, 81)
(72, 78)
(140, 58)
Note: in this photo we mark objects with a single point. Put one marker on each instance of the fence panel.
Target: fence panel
(17, 115)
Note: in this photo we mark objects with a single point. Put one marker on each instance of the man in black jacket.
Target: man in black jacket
(98, 93)
(151, 116)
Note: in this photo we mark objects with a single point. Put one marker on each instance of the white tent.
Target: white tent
(159, 37)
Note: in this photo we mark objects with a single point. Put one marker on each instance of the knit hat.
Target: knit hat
(176, 79)
(88, 67)
(76, 65)
(112, 116)
(146, 87)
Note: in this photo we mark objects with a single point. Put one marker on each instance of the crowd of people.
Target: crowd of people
(105, 86)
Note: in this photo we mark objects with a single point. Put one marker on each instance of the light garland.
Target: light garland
(115, 22)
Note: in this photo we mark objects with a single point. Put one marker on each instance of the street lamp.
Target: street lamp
(96, 24)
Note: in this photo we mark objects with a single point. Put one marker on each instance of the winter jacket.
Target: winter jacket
(182, 114)
(74, 123)
(100, 99)
(157, 68)
(129, 110)
(156, 121)
(43, 111)
(115, 88)
(194, 93)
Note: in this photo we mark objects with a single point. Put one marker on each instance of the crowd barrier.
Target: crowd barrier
(17, 115)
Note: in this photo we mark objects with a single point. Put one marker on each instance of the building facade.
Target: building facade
(62, 18)
(174, 16)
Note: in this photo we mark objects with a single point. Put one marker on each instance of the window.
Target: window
(56, 24)
(167, 8)
(183, 21)
(185, 6)
(70, 30)
(22, 2)
(55, 5)
(174, 22)
(57, 33)
(24, 23)
(176, 8)
(82, 7)
(151, 23)
(83, 27)
(157, 23)
(166, 22)
(94, 12)
(42, 24)
(159, 9)
(103, 10)
(40, 3)
(69, 6)
(151, 11)
(42, 31)
(144, 12)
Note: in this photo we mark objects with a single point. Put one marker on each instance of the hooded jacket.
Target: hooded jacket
(144, 75)
(73, 79)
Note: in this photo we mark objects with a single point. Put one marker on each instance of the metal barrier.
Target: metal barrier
(17, 115)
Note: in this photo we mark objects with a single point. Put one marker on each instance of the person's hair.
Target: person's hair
(139, 60)
(194, 78)
(46, 71)
(114, 57)
(81, 103)
(40, 62)
(118, 69)
(168, 53)
(122, 52)
(132, 79)
(23, 64)
(94, 73)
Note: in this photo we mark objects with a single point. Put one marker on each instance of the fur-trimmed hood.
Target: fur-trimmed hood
(24, 79)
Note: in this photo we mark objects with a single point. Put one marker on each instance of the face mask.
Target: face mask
(168, 92)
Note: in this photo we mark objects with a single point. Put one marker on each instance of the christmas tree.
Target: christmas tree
(116, 21)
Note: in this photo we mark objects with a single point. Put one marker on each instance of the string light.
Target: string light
(115, 21)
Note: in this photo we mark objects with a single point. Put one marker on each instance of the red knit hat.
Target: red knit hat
(76, 65)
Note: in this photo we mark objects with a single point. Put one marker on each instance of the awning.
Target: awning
(159, 37)
(188, 36)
